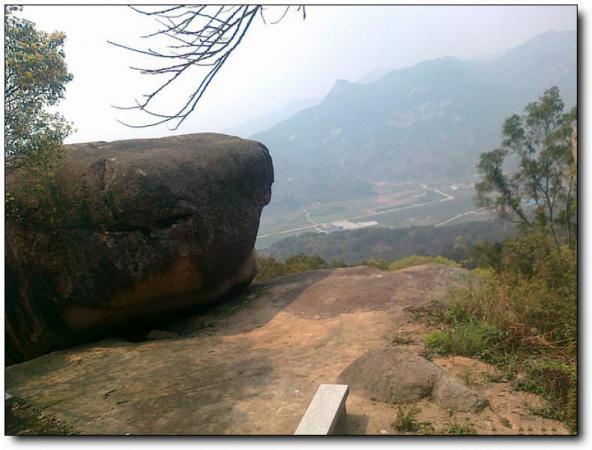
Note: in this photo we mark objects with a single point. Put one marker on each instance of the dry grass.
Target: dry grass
(523, 318)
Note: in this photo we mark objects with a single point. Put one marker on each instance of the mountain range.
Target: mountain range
(427, 122)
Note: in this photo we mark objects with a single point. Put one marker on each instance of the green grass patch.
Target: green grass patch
(461, 429)
(522, 317)
(467, 339)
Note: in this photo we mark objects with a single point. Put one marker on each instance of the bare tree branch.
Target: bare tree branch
(203, 36)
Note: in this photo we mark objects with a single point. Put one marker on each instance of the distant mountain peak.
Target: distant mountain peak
(428, 121)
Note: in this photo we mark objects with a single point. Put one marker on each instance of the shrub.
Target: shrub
(406, 420)
(269, 267)
(416, 260)
(521, 316)
(556, 381)
(377, 263)
(302, 263)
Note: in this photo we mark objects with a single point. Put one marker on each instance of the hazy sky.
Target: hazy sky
(275, 64)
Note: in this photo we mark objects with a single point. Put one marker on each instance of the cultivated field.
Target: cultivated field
(395, 205)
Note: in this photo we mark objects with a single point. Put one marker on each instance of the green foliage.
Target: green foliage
(487, 254)
(302, 263)
(415, 260)
(270, 268)
(35, 78)
(338, 263)
(523, 318)
(541, 188)
(461, 429)
(556, 381)
(406, 420)
(354, 247)
(24, 419)
(380, 264)
(532, 294)
(467, 339)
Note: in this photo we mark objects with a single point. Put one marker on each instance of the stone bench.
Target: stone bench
(326, 409)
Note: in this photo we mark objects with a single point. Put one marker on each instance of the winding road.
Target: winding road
(317, 226)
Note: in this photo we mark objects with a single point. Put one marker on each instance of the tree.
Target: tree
(200, 36)
(531, 179)
(35, 76)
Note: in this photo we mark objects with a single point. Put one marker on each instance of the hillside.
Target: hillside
(426, 122)
(356, 246)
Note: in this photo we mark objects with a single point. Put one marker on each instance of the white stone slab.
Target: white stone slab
(325, 410)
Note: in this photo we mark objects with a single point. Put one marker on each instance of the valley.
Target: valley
(393, 205)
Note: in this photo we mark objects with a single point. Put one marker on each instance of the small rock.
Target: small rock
(451, 393)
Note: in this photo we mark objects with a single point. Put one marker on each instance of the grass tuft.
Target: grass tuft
(406, 420)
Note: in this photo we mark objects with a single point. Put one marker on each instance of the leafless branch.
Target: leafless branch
(202, 36)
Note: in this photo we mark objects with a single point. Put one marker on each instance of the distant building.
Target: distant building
(347, 225)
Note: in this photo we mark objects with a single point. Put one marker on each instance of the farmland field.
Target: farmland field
(393, 206)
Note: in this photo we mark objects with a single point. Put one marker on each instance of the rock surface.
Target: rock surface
(140, 228)
(400, 376)
(253, 364)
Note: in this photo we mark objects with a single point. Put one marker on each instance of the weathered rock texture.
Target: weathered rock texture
(252, 365)
(138, 228)
(398, 376)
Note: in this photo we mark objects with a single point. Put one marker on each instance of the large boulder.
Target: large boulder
(398, 376)
(131, 230)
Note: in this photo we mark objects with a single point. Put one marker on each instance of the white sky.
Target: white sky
(275, 64)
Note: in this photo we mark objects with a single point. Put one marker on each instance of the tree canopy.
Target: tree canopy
(531, 177)
(35, 77)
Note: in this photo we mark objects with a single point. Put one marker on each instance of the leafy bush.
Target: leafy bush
(415, 260)
(522, 317)
(556, 381)
(302, 263)
(376, 263)
(269, 267)
(406, 421)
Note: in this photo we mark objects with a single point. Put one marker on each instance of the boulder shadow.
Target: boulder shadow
(246, 309)
(353, 424)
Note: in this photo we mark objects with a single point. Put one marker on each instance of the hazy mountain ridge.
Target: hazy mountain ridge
(266, 121)
(428, 121)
